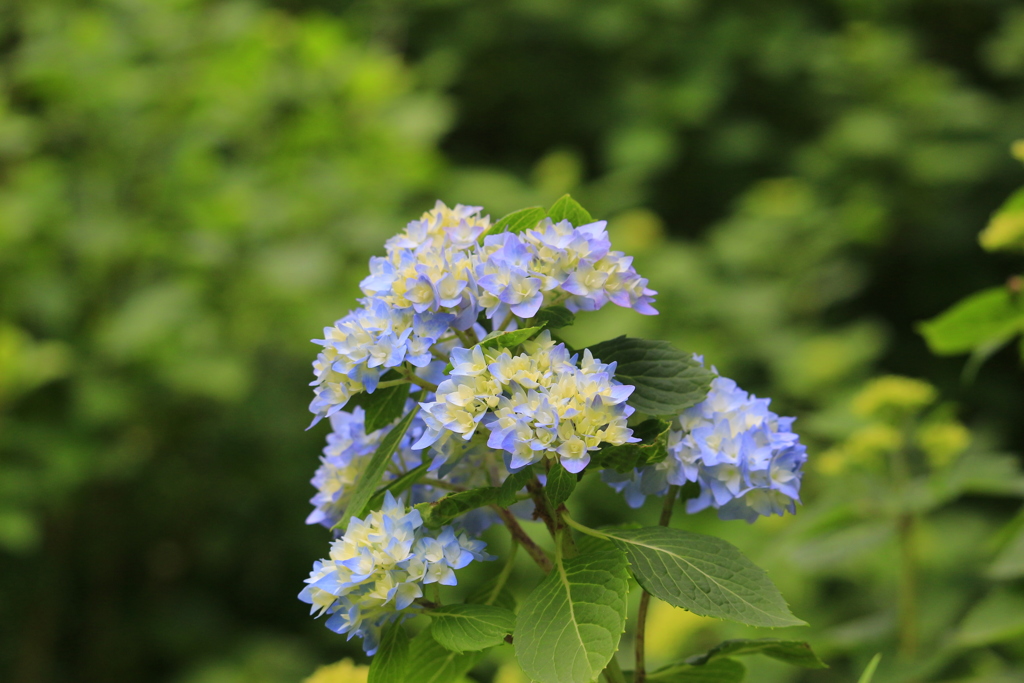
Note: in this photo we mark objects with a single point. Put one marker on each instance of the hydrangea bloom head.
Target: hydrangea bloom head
(377, 569)
(540, 403)
(747, 459)
(437, 278)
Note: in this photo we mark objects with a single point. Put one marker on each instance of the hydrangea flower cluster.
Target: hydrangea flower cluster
(349, 449)
(536, 404)
(436, 279)
(376, 571)
(746, 458)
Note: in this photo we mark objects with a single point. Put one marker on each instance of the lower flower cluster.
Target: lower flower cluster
(379, 567)
(746, 458)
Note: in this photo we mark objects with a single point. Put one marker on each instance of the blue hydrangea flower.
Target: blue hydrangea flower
(747, 459)
(537, 404)
(375, 572)
(437, 278)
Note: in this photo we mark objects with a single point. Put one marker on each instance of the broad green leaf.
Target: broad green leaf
(367, 484)
(382, 407)
(431, 663)
(397, 486)
(990, 316)
(998, 617)
(1005, 230)
(568, 628)
(512, 485)
(702, 574)
(471, 627)
(795, 652)
(519, 221)
(560, 486)
(568, 209)
(718, 671)
(554, 317)
(1009, 563)
(667, 380)
(391, 662)
(869, 670)
(509, 340)
(652, 448)
(454, 504)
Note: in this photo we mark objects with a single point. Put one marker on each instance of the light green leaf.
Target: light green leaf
(652, 448)
(471, 627)
(702, 574)
(869, 670)
(513, 483)
(561, 484)
(568, 209)
(367, 484)
(391, 662)
(431, 663)
(442, 511)
(988, 317)
(397, 486)
(568, 628)
(667, 380)
(718, 671)
(554, 317)
(998, 617)
(795, 652)
(519, 221)
(1005, 230)
(510, 340)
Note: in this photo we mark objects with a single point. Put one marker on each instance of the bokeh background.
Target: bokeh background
(190, 191)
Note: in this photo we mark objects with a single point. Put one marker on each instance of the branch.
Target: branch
(534, 550)
(640, 672)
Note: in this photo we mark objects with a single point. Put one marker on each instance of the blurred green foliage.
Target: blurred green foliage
(189, 191)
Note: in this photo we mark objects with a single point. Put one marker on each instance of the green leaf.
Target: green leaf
(652, 448)
(471, 627)
(391, 662)
(431, 663)
(869, 670)
(554, 317)
(512, 485)
(702, 574)
(367, 484)
(719, 671)
(397, 486)
(442, 511)
(667, 380)
(984, 318)
(560, 486)
(510, 340)
(1005, 230)
(568, 209)
(1009, 563)
(519, 221)
(568, 628)
(998, 617)
(382, 407)
(795, 652)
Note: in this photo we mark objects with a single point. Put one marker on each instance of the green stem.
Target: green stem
(410, 376)
(613, 672)
(640, 671)
(506, 571)
(581, 528)
(905, 524)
